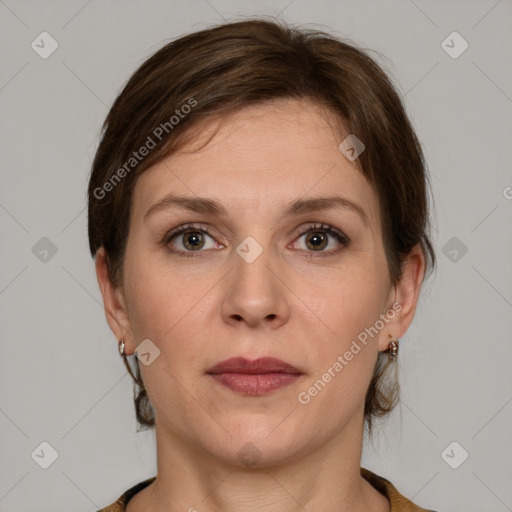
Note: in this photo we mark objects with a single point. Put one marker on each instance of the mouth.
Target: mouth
(254, 377)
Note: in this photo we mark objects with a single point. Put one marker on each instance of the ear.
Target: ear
(114, 303)
(405, 297)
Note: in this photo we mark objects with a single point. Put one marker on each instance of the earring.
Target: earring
(121, 347)
(393, 347)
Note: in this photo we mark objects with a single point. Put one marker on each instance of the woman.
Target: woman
(258, 213)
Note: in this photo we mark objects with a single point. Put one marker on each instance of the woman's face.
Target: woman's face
(258, 285)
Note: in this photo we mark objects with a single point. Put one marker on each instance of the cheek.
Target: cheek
(345, 357)
(347, 300)
(341, 376)
(168, 308)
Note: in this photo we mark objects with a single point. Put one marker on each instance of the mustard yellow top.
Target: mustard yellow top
(398, 502)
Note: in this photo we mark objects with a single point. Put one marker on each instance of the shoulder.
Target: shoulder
(120, 503)
(399, 503)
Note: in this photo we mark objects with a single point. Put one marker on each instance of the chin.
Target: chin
(259, 441)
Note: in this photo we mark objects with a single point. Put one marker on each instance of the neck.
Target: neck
(328, 478)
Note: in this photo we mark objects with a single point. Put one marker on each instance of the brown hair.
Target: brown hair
(225, 68)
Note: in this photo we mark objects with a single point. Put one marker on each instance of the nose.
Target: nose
(256, 294)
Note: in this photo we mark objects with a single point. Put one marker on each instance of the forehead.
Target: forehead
(259, 157)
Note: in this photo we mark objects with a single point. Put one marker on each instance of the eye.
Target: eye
(318, 237)
(189, 239)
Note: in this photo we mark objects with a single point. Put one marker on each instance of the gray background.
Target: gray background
(61, 378)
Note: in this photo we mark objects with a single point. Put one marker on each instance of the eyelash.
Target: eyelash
(343, 239)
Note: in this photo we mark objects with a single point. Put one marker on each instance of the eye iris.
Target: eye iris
(316, 239)
(193, 240)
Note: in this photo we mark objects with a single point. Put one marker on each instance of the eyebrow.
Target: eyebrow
(297, 207)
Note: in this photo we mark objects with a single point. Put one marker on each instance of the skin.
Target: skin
(290, 303)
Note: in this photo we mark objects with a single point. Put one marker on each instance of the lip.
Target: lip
(254, 377)
(252, 367)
